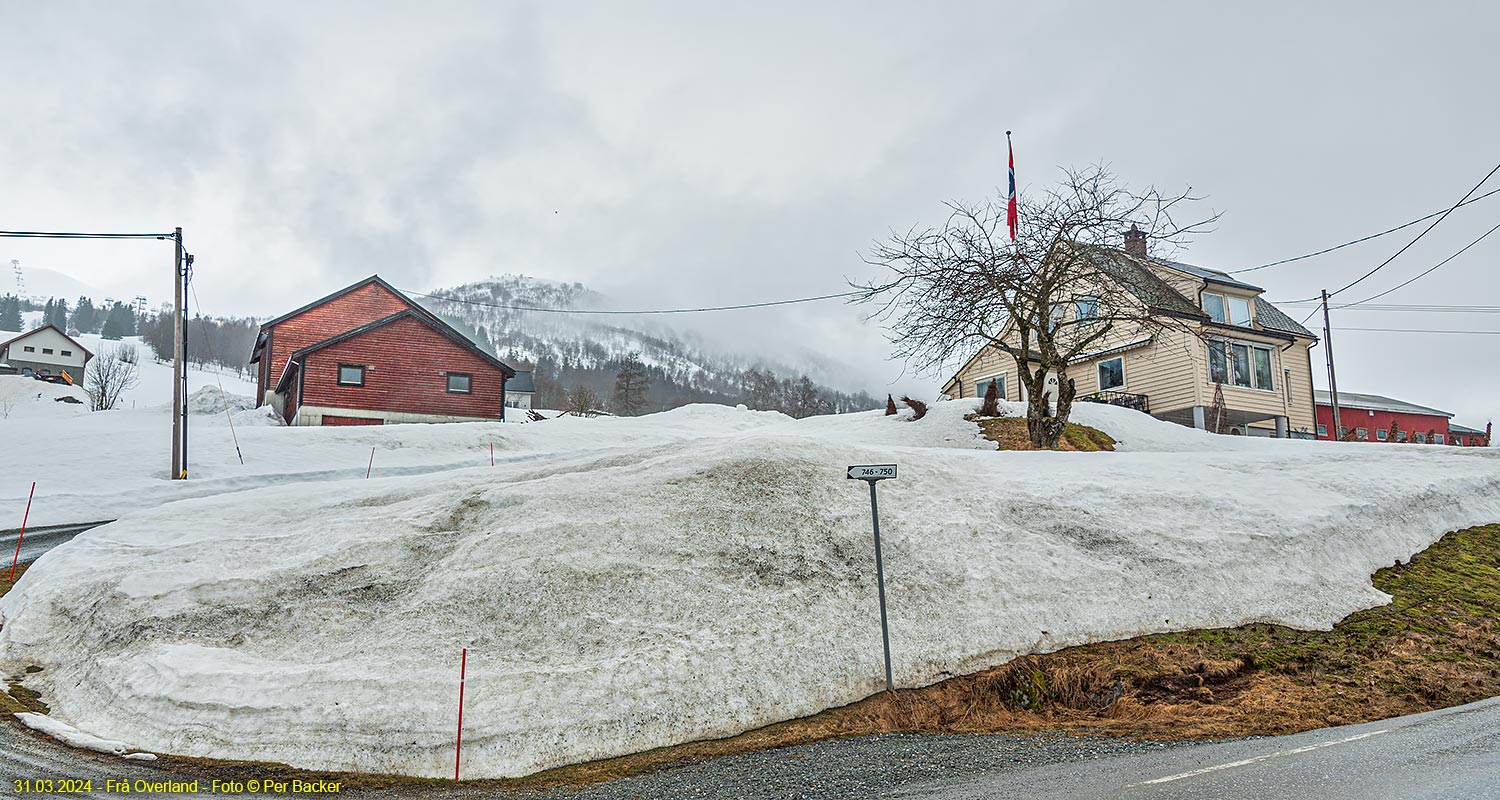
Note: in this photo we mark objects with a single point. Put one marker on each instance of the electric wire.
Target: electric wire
(1414, 240)
(635, 311)
(1362, 239)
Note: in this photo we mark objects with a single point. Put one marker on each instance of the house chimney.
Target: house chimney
(1135, 241)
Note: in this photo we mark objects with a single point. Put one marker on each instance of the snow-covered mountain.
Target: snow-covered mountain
(574, 348)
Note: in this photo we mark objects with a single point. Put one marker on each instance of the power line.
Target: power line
(1414, 240)
(651, 311)
(67, 235)
(1419, 309)
(1425, 273)
(1419, 330)
(1363, 239)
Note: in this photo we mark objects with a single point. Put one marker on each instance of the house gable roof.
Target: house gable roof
(419, 309)
(87, 354)
(1375, 402)
(375, 279)
(425, 318)
(522, 382)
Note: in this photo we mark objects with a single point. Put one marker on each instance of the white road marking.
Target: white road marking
(1257, 759)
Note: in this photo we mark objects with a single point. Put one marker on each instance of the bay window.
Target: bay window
(1241, 364)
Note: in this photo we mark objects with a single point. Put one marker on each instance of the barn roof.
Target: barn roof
(86, 352)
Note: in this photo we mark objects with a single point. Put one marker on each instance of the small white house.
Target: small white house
(519, 390)
(46, 351)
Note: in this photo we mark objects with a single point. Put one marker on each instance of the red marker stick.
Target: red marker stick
(371, 465)
(22, 535)
(492, 454)
(458, 744)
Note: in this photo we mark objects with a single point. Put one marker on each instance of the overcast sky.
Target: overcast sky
(703, 153)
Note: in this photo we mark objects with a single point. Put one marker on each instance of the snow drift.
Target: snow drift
(692, 574)
(23, 398)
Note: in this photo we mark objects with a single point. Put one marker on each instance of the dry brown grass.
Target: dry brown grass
(1010, 434)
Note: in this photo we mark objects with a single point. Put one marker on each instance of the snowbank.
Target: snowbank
(71, 736)
(633, 583)
(23, 398)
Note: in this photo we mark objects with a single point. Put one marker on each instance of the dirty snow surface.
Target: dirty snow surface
(624, 584)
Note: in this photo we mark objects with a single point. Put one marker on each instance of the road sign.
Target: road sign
(872, 472)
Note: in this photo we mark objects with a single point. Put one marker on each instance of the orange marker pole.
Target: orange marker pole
(22, 535)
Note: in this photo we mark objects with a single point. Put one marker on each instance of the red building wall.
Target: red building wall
(1371, 421)
(406, 365)
(359, 307)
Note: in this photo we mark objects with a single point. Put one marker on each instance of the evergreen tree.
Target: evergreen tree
(630, 387)
(1395, 429)
(47, 312)
(118, 323)
(59, 315)
(85, 316)
(10, 313)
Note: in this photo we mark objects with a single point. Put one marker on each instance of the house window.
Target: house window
(1213, 306)
(1361, 434)
(1420, 438)
(351, 375)
(1262, 358)
(1323, 431)
(1239, 364)
(28, 348)
(458, 382)
(1239, 311)
(1382, 434)
(1086, 308)
(983, 386)
(67, 352)
(1400, 436)
(1111, 374)
(47, 351)
(1437, 438)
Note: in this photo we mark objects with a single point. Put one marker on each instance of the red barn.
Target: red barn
(1370, 416)
(368, 355)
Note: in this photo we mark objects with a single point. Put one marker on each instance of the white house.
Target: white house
(46, 351)
(519, 390)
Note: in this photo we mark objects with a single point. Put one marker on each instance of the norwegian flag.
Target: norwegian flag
(1010, 206)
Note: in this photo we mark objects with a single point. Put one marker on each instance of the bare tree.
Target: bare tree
(1057, 291)
(581, 401)
(109, 374)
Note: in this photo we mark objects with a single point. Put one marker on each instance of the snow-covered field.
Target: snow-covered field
(630, 583)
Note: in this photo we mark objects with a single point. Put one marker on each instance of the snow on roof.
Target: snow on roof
(1375, 402)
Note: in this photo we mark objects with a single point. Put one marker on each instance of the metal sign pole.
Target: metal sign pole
(885, 635)
(872, 474)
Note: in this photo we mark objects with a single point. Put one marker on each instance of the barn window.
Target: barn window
(458, 382)
(351, 375)
(67, 352)
(47, 350)
(28, 348)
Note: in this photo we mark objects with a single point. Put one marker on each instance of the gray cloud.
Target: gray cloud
(682, 153)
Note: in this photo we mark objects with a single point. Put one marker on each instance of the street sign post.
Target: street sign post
(872, 474)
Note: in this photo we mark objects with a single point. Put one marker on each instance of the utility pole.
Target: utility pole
(179, 362)
(1333, 384)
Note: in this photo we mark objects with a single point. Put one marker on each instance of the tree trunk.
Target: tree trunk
(1045, 425)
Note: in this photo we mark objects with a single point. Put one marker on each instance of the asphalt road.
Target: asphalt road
(1453, 754)
(39, 540)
